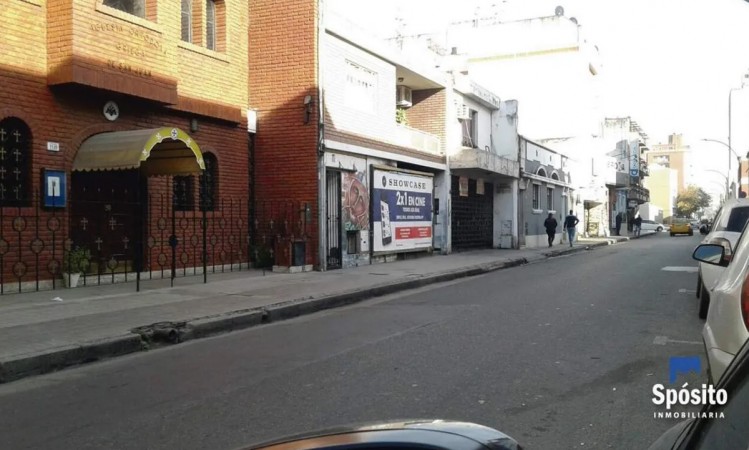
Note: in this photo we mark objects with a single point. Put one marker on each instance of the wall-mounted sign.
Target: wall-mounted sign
(55, 188)
(111, 111)
(401, 210)
(53, 146)
(634, 159)
(463, 186)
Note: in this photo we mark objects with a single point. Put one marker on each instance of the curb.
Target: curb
(58, 358)
(171, 333)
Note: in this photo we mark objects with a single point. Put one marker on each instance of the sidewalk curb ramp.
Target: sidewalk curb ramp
(170, 333)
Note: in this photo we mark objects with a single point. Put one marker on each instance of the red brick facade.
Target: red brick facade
(428, 113)
(283, 71)
(62, 104)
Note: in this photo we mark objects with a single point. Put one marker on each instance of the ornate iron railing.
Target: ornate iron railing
(109, 242)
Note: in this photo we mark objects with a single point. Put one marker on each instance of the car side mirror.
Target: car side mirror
(711, 254)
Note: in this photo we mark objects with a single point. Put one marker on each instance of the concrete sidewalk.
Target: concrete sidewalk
(45, 331)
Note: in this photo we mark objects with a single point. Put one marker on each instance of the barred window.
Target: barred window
(15, 162)
(536, 196)
(183, 198)
(209, 183)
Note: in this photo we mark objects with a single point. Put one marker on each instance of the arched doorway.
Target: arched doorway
(124, 203)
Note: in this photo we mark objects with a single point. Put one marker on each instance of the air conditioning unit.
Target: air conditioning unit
(463, 112)
(403, 97)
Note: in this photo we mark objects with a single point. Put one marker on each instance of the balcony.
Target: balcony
(638, 194)
(412, 138)
(644, 171)
(484, 161)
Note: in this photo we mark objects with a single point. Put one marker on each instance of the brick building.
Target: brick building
(122, 128)
(364, 186)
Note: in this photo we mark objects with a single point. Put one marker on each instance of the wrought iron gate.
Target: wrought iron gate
(472, 216)
(333, 219)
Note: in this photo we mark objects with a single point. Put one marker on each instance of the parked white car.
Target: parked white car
(652, 225)
(727, 325)
(727, 227)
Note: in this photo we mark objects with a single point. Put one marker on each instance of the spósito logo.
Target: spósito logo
(683, 396)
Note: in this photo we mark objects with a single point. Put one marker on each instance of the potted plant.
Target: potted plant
(400, 116)
(74, 262)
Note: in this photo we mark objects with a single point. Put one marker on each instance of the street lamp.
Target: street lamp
(730, 93)
(738, 159)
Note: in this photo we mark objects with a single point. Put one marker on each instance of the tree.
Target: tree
(691, 200)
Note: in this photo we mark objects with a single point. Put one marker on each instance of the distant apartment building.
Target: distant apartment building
(674, 155)
(544, 62)
(663, 186)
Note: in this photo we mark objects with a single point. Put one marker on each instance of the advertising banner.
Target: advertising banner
(634, 159)
(401, 210)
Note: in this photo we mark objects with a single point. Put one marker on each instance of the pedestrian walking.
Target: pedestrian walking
(618, 224)
(570, 222)
(551, 228)
(638, 225)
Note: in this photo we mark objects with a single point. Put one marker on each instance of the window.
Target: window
(187, 20)
(208, 181)
(730, 431)
(361, 87)
(541, 172)
(550, 199)
(210, 24)
(134, 7)
(536, 196)
(469, 129)
(182, 188)
(15, 162)
(554, 176)
(737, 219)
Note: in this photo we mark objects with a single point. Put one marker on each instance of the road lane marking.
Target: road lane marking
(687, 291)
(680, 268)
(663, 340)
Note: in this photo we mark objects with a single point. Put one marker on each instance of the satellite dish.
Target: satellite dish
(573, 20)
(559, 11)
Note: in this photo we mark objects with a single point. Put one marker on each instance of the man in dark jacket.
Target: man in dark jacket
(551, 228)
(618, 224)
(570, 222)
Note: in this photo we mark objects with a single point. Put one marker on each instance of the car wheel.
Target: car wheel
(659, 229)
(691, 233)
(704, 303)
(672, 235)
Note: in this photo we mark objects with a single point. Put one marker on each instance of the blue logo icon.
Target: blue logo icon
(683, 365)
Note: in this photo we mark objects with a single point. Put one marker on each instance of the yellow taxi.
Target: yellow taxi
(681, 225)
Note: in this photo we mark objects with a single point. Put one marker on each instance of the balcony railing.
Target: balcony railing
(638, 193)
(417, 139)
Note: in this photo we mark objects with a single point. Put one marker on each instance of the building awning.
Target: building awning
(157, 151)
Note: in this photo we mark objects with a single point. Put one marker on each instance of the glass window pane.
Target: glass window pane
(134, 7)
(210, 24)
(187, 20)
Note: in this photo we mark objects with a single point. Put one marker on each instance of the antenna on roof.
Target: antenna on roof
(559, 11)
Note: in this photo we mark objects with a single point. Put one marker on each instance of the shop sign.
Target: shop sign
(401, 210)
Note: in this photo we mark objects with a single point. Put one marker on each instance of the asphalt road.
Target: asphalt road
(558, 354)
